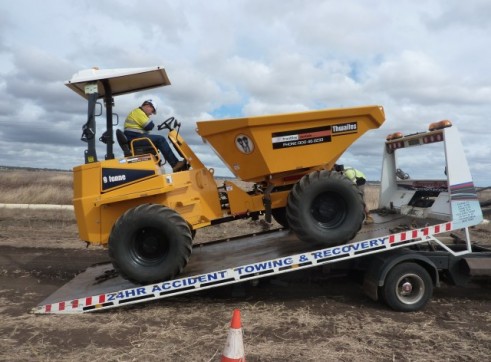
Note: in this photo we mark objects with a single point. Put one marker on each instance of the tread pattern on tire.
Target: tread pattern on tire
(296, 213)
(154, 213)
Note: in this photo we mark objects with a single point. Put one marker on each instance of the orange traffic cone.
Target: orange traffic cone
(234, 348)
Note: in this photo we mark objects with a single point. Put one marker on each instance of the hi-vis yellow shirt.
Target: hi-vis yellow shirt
(136, 121)
(353, 174)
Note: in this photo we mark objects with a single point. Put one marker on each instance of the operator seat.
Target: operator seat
(141, 147)
(123, 143)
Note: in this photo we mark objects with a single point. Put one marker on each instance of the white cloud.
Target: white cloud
(422, 61)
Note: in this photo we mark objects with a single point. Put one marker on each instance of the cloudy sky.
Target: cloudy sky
(422, 60)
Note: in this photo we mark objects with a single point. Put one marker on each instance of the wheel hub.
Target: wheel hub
(406, 288)
(410, 288)
(148, 245)
(328, 210)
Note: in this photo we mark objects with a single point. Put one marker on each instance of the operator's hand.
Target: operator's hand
(149, 126)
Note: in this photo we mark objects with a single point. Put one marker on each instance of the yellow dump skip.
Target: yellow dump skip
(255, 148)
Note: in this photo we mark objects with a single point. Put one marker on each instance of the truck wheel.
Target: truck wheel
(407, 288)
(150, 243)
(279, 215)
(325, 207)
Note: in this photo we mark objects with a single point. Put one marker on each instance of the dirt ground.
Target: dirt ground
(307, 316)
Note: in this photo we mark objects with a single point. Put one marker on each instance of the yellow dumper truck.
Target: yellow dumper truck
(147, 218)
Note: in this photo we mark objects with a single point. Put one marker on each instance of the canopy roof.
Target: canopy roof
(121, 81)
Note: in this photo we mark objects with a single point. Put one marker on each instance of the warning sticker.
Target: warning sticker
(303, 137)
(244, 144)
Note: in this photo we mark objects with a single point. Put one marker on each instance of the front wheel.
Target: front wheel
(325, 207)
(150, 243)
(407, 288)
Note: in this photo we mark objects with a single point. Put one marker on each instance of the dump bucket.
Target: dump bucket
(265, 147)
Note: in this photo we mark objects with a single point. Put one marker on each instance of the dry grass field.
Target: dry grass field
(305, 316)
(35, 187)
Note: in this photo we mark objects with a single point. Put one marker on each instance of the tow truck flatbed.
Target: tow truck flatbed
(234, 261)
(416, 211)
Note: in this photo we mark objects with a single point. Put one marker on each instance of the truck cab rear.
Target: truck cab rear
(448, 195)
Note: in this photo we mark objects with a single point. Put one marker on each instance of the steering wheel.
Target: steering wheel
(166, 124)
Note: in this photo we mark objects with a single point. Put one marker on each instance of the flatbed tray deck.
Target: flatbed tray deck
(236, 260)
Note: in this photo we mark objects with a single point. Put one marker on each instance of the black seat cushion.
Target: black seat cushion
(123, 142)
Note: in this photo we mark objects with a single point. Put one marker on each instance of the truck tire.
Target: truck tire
(407, 287)
(150, 243)
(325, 207)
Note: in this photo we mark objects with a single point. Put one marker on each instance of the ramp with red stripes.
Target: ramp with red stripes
(100, 288)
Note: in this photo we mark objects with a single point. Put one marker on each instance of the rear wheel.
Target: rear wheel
(407, 288)
(325, 207)
(150, 243)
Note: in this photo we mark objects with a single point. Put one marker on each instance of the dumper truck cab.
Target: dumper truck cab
(147, 217)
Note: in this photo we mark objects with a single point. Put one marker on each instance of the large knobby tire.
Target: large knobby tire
(150, 243)
(407, 287)
(325, 207)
